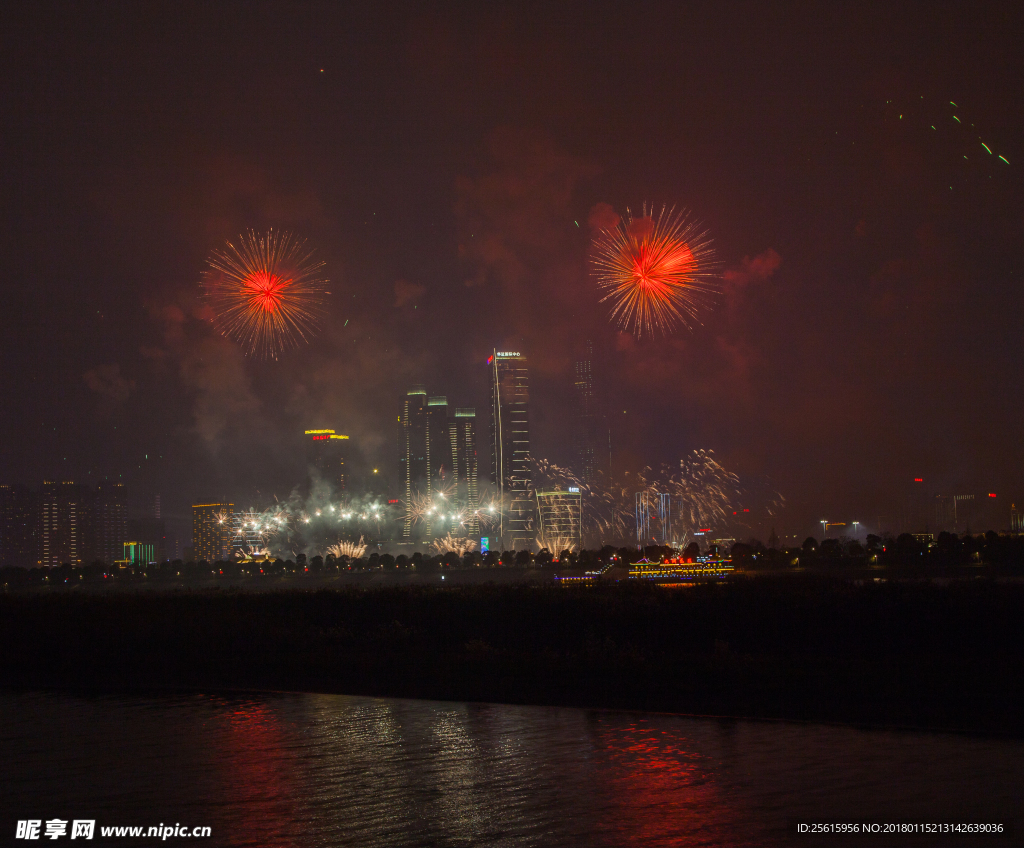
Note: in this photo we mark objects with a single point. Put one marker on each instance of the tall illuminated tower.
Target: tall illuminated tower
(109, 521)
(412, 458)
(462, 436)
(586, 441)
(64, 523)
(326, 452)
(439, 457)
(510, 447)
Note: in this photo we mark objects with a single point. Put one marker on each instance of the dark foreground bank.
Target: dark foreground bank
(910, 654)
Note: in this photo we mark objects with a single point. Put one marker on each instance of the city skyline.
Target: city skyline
(71, 522)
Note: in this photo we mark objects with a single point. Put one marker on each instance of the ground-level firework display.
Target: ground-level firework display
(267, 292)
(657, 270)
(352, 550)
(450, 544)
(699, 494)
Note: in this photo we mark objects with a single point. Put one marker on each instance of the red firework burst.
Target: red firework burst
(267, 293)
(657, 271)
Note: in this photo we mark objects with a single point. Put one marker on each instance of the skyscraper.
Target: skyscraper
(412, 460)
(438, 463)
(64, 523)
(211, 531)
(246, 534)
(510, 447)
(439, 457)
(462, 436)
(108, 522)
(326, 452)
(19, 526)
(589, 432)
(560, 516)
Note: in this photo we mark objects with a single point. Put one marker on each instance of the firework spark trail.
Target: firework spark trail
(658, 272)
(556, 544)
(490, 508)
(702, 491)
(603, 514)
(309, 525)
(266, 293)
(426, 504)
(703, 494)
(943, 116)
(352, 550)
(250, 554)
(453, 545)
(248, 533)
(442, 506)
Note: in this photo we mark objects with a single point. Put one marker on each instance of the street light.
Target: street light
(824, 529)
(855, 523)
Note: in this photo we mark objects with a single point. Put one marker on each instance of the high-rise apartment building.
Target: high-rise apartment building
(462, 438)
(510, 447)
(439, 457)
(326, 452)
(212, 531)
(560, 518)
(19, 526)
(585, 439)
(247, 534)
(64, 522)
(107, 523)
(412, 459)
(591, 438)
(437, 462)
(64, 525)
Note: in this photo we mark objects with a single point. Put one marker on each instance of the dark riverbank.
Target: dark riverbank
(906, 654)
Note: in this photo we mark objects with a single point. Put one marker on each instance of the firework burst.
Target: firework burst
(267, 292)
(253, 554)
(352, 550)
(702, 491)
(556, 545)
(453, 545)
(657, 271)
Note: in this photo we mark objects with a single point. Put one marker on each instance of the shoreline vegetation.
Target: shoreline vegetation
(806, 647)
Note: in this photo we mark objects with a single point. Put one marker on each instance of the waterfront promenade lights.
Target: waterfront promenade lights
(824, 529)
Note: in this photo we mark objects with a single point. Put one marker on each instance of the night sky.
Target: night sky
(446, 162)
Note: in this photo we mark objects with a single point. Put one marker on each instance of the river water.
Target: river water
(325, 770)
